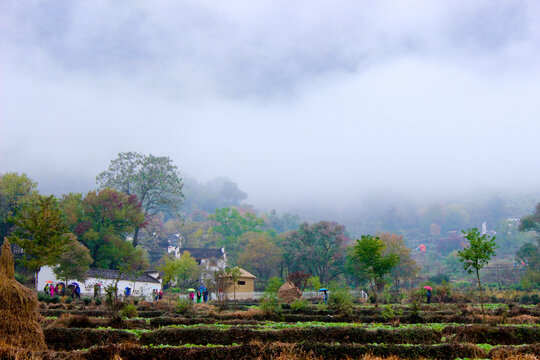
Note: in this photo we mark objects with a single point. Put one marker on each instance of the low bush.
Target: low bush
(340, 300)
(98, 301)
(300, 305)
(87, 301)
(322, 307)
(390, 312)
(55, 299)
(184, 306)
(129, 311)
(270, 306)
(43, 297)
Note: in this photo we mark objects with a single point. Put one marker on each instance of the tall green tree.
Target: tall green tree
(371, 263)
(477, 255)
(529, 253)
(230, 225)
(74, 262)
(153, 179)
(16, 191)
(182, 271)
(316, 249)
(41, 232)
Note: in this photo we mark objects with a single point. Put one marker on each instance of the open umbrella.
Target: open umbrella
(428, 288)
(48, 282)
(202, 288)
(191, 289)
(323, 289)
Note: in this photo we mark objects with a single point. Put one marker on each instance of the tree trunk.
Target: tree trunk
(36, 279)
(481, 294)
(136, 237)
(374, 288)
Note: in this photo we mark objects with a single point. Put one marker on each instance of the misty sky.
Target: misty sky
(313, 102)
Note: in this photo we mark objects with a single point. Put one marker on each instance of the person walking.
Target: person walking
(97, 291)
(205, 295)
(192, 295)
(77, 292)
(428, 294)
(325, 294)
(199, 297)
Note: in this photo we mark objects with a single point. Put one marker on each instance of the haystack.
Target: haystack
(18, 308)
(288, 292)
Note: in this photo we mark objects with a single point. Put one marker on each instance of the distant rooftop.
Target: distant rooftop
(201, 253)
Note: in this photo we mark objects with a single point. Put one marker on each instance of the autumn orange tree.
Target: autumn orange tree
(260, 256)
(407, 268)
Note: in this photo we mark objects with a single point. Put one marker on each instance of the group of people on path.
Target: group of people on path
(60, 290)
(200, 296)
(157, 295)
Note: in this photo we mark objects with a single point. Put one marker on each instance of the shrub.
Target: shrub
(341, 300)
(270, 305)
(389, 312)
(87, 300)
(322, 307)
(98, 301)
(300, 305)
(67, 300)
(129, 311)
(55, 299)
(273, 285)
(440, 278)
(184, 306)
(414, 316)
(136, 301)
(314, 283)
(416, 295)
(535, 299)
(43, 297)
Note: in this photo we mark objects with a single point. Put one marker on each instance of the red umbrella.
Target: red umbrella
(48, 282)
(428, 288)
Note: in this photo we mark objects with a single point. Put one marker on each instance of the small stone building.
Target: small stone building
(245, 286)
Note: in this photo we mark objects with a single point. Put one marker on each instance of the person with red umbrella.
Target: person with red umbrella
(428, 288)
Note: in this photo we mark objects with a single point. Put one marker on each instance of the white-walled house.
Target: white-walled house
(140, 285)
(210, 260)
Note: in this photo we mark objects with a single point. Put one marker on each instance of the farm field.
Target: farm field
(436, 331)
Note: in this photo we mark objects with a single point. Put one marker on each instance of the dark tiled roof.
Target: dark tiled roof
(200, 253)
(113, 274)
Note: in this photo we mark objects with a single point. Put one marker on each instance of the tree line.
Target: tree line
(137, 211)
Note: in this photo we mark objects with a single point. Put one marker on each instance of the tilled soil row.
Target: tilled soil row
(264, 351)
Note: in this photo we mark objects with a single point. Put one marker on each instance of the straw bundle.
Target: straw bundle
(18, 308)
(288, 292)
